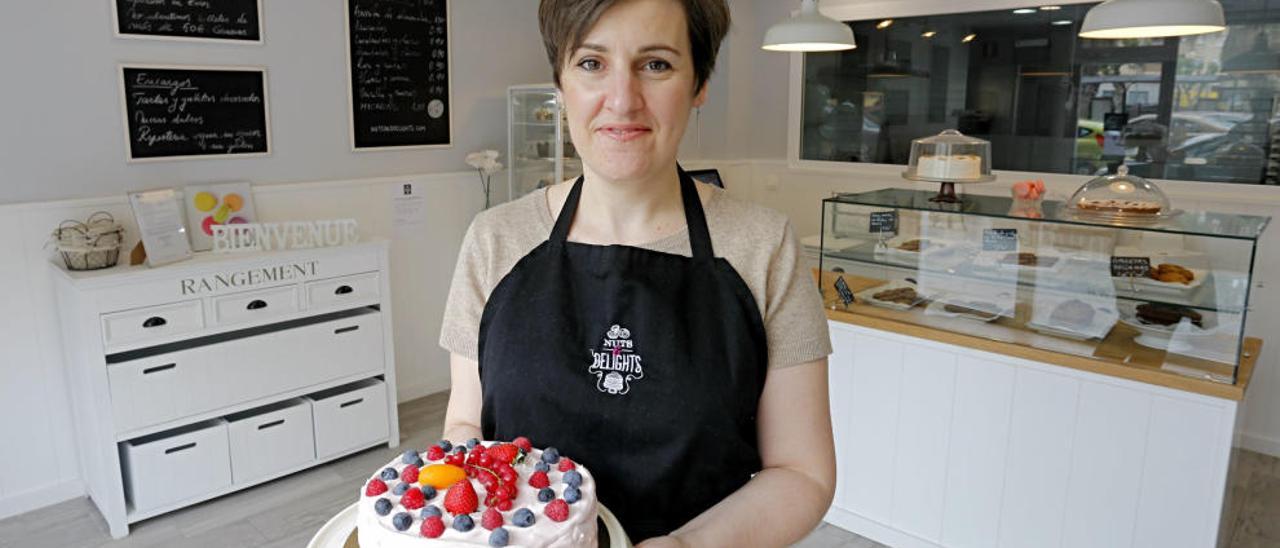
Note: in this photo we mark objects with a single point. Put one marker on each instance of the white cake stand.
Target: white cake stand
(336, 532)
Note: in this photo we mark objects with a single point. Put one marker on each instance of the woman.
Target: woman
(664, 334)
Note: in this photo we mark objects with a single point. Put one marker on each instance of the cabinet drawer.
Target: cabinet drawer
(358, 289)
(268, 441)
(156, 322)
(255, 306)
(172, 467)
(167, 387)
(350, 417)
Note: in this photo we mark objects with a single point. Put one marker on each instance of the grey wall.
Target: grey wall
(61, 130)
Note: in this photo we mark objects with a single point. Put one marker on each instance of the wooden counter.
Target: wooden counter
(1117, 355)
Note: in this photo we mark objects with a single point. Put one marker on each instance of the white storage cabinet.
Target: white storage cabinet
(246, 367)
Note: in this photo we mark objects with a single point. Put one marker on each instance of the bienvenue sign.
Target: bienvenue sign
(277, 236)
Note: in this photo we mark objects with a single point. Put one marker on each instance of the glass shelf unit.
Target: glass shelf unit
(1169, 294)
(540, 150)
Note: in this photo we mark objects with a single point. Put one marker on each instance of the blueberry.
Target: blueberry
(572, 494)
(446, 445)
(402, 521)
(382, 507)
(551, 455)
(409, 456)
(572, 477)
(417, 461)
(463, 522)
(431, 510)
(499, 537)
(400, 488)
(546, 494)
(428, 492)
(523, 517)
(459, 450)
(542, 467)
(472, 443)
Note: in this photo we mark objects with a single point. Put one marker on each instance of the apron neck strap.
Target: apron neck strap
(694, 216)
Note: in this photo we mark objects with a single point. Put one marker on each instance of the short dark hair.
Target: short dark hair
(565, 23)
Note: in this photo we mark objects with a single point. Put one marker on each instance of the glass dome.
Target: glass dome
(1120, 196)
(950, 157)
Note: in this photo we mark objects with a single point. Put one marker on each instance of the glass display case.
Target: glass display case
(538, 142)
(1170, 295)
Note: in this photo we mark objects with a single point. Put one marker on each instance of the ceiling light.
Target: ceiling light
(884, 24)
(968, 38)
(1050, 8)
(1152, 19)
(1062, 22)
(809, 30)
(929, 33)
(1024, 11)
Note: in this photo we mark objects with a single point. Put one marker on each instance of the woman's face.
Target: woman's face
(629, 90)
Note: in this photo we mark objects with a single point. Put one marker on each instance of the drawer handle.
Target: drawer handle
(159, 368)
(270, 424)
(343, 290)
(154, 321)
(342, 330)
(257, 304)
(351, 403)
(179, 448)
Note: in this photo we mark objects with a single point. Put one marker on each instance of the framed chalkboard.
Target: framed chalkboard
(183, 112)
(398, 66)
(237, 21)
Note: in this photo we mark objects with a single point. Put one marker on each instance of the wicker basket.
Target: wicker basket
(91, 245)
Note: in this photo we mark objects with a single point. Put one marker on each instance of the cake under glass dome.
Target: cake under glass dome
(1120, 197)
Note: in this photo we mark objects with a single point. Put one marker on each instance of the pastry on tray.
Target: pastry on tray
(1120, 206)
(976, 309)
(1171, 273)
(1028, 259)
(903, 295)
(915, 246)
(1074, 313)
(1167, 314)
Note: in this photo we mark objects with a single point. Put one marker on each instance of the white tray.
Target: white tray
(1141, 284)
(892, 253)
(1158, 336)
(938, 308)
(1104, 318)
(335, 532)
(865, 296)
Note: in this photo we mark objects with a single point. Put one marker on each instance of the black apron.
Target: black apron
(646, 367)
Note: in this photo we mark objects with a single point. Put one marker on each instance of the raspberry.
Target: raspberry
(566, 465)
(432, 527)
(523, 443)
(376, 487)
(491, 519)
(539, 480)
(435, 453)
(413, 500)
(557, 510)
(409, 474)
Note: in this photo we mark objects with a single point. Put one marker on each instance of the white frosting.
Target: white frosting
(579, 531)
(960, 166)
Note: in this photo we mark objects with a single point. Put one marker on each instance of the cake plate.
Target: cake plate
(947, 192)
(340, 530)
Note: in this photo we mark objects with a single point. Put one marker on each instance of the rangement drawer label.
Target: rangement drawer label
(249, 278)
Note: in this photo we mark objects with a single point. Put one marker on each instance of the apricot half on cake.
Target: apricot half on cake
(441, 476)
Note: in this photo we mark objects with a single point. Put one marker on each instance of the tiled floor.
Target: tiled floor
(285, 513)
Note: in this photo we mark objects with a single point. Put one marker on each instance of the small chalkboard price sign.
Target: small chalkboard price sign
(1130, 267)
(177, 112)
(398, 73)
(236, 21)
(842, 288)
(1000, 239)
(884, 221)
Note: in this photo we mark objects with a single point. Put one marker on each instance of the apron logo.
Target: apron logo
(616, 364)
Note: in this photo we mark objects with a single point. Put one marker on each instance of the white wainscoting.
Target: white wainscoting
(38, 452)
(939, 445)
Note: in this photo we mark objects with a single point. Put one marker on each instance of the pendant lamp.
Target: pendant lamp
(1115, 19)
(809, 30)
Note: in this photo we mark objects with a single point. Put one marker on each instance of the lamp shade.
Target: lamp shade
(1152, 18)
(809, 30)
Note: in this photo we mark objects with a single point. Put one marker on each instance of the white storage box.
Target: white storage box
(349, 417)
(171, 467)
(267, 441)
(152, 323)
(255, 306)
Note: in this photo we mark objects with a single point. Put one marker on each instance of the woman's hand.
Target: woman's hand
(663, 542)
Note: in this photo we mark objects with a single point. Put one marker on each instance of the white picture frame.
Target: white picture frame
(221, 204)
(161, 226)
(115, 31)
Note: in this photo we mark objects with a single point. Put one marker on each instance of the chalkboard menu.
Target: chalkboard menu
(1000, 239)
(178, 112)
(234, 20)
(398, 53)
(883, 221)
(1130, 266)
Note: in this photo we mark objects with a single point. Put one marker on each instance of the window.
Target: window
(1201, 108)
